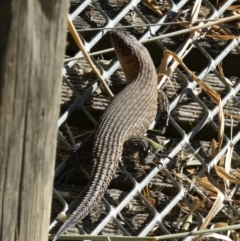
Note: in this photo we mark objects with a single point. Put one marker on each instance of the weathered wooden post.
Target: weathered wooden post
(32, 43)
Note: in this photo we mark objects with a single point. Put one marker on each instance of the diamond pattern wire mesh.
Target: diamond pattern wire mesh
(166, 217)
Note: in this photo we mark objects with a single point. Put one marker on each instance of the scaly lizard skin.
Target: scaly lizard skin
(128, 116)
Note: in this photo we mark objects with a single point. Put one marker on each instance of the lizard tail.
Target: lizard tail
(103, 171)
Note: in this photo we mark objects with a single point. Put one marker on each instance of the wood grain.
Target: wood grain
(32, 46)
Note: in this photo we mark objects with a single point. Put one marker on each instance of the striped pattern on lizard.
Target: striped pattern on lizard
(127, 116)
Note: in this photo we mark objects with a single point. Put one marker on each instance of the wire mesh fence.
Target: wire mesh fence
(180, 190)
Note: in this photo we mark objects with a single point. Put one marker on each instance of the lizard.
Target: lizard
(128, 116)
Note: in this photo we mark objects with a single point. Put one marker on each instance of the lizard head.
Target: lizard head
(125, 45)
(127, 49)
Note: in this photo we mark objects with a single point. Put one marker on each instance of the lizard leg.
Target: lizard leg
(80, 151)
(83, 150)
(139, 145)
(146, 151)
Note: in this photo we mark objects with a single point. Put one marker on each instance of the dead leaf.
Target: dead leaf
(209, 91)
(220, 69)
(219, 200)
(234, 8)
(191, 170)
(228, 161)
(224, 175)
(221, 121)
(203, 181)
(213, 148)
(219, 225)
(218, 33)
(152, 4)
(221, 37)
(237, 173)
(233, 116)
(147, 195)
(235, 235)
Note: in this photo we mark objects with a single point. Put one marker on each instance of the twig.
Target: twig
(80, 45)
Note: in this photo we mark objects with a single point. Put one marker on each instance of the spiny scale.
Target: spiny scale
(128, 115)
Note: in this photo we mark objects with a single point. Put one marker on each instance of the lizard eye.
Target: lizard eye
(121, 43)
